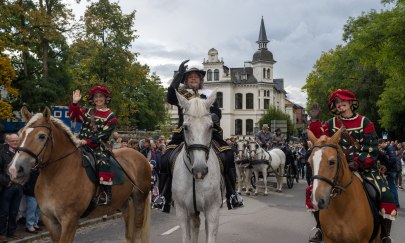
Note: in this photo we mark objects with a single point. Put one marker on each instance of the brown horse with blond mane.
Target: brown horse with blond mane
(63, 189)
(345, 214)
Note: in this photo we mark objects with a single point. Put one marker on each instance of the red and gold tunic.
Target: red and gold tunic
(96, 134)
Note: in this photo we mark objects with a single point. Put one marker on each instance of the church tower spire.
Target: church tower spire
(262, 41)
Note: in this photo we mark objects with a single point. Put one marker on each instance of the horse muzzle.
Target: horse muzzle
(20, 170)
(199, 172)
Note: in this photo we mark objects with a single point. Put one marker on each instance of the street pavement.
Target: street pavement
(278, 217)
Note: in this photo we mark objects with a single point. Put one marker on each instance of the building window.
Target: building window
(264, 73)
(238, 127)
(220, 97)
(238, 101)
(249, 127)
(266, 104)
(268, 73)
(57, 114)
(249, 101)
(216, 74)
(268, 93)
(209, 75)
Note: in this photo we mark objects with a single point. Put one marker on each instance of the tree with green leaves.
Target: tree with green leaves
(34, 34)
(371, 64)
(101, 55)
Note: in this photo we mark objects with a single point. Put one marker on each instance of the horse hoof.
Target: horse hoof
(266, 194)
(256, 193)
(279, 191)
(248, 193)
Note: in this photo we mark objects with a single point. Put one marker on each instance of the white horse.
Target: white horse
(241, 164)
(266, 161)
(197, 176)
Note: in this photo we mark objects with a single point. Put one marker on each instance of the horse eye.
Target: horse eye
(185, 127)
(42, 136)
(332, 162)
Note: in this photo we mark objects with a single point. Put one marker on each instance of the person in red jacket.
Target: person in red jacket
(360, 146)
(98, 123)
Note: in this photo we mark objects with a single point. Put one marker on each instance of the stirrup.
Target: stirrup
(159, 202)
(103, 199)
(235, 201)
(318, 236)
(386, 239)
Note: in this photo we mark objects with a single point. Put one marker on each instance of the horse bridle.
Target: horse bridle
(336, 189)
(202, 147)
(39, 162)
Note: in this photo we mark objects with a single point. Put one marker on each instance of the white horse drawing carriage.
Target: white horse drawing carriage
(254, 162)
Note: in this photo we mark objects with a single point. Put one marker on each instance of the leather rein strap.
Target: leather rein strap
(336, 189)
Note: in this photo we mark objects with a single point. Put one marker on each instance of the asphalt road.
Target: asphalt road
(279, 217)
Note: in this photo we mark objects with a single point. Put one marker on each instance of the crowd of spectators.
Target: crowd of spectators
(18, 204)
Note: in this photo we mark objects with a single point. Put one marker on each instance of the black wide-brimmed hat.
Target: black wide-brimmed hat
(196, 70)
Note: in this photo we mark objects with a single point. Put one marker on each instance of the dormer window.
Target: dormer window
(244, 76)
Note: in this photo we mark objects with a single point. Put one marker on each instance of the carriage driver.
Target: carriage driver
(98, 123)
(193, 87)
(359, 144)
(264, 137)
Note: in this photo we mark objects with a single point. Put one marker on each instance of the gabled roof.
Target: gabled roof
(279, 84)
(237, 73)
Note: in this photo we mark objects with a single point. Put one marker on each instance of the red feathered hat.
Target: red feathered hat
(99, 89)
(342, 94)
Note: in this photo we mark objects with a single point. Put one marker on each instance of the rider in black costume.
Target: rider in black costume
(193, 79)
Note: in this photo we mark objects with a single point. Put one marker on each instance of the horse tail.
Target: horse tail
(146, 219)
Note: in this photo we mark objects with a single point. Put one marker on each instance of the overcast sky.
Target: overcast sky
(171, 31)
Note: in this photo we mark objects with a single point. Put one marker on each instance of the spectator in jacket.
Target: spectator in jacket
(11, 193)
(391, 166)
(32, 213)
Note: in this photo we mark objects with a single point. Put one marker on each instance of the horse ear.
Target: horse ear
(182, 101)
(211, 99)
(311, 136)
(25, 114)
(336, 137)
(47, 113)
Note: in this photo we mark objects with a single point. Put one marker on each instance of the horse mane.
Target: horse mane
(197, 108)
(58, 123)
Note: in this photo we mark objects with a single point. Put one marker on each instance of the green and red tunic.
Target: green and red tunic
(362, 130)
(96, 134)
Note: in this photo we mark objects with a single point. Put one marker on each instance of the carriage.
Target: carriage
(290, 173)
(251, 157)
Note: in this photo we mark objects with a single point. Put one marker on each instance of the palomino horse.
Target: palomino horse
(344, 212)
(63, 189)
(241, 162)
(266, 161)
(196, 174)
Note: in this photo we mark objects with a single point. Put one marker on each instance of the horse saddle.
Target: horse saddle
(373, 196)
(217, 148)
(89, 163)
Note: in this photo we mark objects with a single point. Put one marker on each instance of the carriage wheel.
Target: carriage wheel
(253, 180)
(290, 177)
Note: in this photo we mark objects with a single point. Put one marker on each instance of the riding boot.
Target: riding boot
(104, 199)
(233, 200)
(318, 235)
(164, 200)
(386, 231)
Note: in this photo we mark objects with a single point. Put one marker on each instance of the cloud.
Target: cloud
(171, 31)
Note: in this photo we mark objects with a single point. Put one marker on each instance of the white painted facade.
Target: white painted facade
(254, 81)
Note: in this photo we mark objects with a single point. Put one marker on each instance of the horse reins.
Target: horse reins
(336, 189)
(39, 162)
(188, 149)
